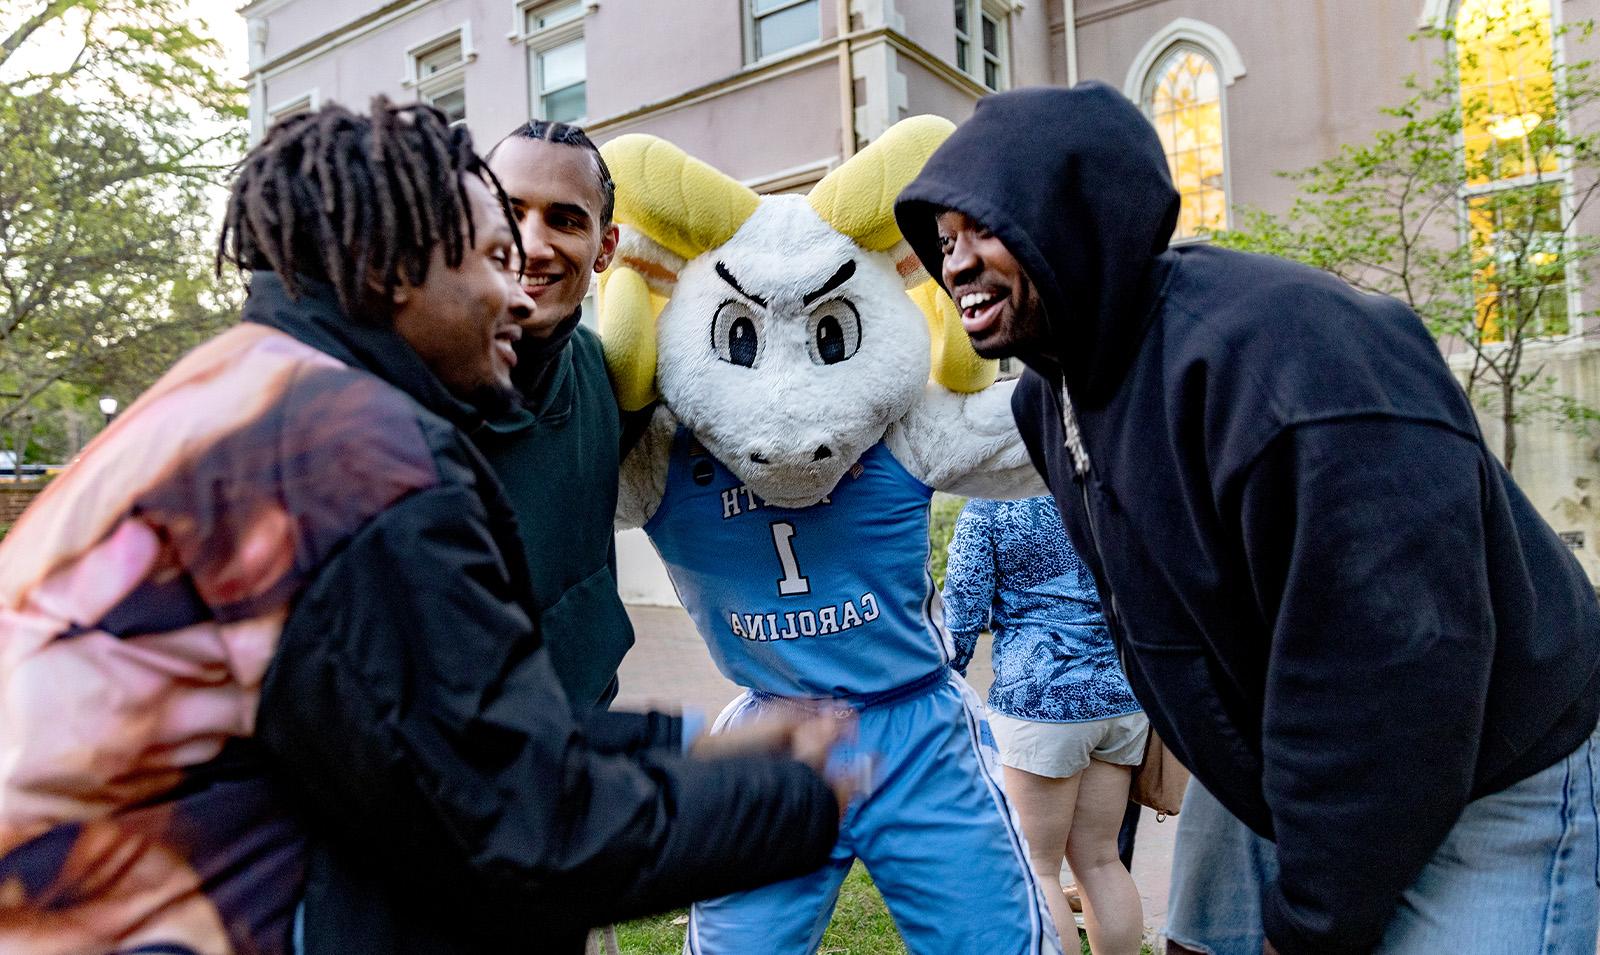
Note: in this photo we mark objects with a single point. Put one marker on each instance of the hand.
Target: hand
(795, 735)
(803, 737)
(1267, 948)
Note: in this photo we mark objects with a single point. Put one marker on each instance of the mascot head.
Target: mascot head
(780, 329)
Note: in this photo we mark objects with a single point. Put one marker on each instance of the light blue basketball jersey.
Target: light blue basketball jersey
(832, 600)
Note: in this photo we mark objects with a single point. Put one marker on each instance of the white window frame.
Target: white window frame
(413, 79)
(752, 53)
(977, 56)
(539, 42)
(452, 78)
(310, 100)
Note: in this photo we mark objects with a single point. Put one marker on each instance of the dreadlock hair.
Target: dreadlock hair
(566, 134)
(354, 201)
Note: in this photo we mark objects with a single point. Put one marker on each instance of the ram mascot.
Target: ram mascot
(808, 409)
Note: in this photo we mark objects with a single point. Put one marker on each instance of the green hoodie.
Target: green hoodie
(557, 456)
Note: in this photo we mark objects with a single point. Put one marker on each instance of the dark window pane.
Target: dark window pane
(452, 104)
(991, 74)
(961, 16)
(787, 28)
(564, 106)
(991, 35)
(961, 55)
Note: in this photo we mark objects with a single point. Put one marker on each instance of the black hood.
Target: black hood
(1075, 183)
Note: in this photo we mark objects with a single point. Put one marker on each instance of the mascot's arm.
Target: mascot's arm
(966, 444)
(644, 471)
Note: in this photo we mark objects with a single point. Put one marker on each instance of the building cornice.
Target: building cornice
(1116, 11)
(338, 36)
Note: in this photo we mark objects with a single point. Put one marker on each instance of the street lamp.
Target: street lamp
(108, 407)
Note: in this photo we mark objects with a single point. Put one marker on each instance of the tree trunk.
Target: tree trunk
(1508, 424)
(19, 446)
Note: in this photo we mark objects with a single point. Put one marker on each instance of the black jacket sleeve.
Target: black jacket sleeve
(415, 716)
(1365, 542)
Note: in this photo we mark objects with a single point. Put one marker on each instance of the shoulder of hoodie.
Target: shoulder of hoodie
(1289, 345)
(354, 421)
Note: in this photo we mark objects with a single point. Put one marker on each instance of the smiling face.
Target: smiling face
(557, 201)
(1000, 307)
(789, 351)
(463, 321)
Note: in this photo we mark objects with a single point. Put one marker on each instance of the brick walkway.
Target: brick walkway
(669, 668)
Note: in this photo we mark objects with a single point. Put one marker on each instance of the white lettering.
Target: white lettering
(817, 622)
(852, 616)
(730, 503)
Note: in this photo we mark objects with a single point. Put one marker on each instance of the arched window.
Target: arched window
(1510, 138)
(1183, 98)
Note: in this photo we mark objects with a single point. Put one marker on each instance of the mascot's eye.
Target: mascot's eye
(835, 332)
(736, 334)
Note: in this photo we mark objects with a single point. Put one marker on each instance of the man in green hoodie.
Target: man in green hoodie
(558, 451)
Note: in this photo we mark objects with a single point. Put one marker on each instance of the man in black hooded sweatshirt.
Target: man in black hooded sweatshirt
(1336, 606)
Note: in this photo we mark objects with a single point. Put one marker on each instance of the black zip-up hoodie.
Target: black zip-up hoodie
(1337, 608)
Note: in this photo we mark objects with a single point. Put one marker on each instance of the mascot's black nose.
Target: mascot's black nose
(822, 453)
(759, 458)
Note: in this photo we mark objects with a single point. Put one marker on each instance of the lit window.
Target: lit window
(1510, 139)
(1518, 263)
(557, 61)
(1504, 56)
(777, 25)
(1183, 99)
(981, 55)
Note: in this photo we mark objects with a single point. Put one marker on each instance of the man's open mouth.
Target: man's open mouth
(980, 309)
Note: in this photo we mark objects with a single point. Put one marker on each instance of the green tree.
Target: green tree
(116, 124)
(1466, 205)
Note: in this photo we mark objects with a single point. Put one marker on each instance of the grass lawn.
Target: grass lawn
(861, 926)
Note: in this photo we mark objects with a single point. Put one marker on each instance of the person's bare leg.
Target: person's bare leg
(1112, 914)
(1044, 807)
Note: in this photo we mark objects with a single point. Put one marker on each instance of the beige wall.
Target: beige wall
(739, 131)
(1316, 72)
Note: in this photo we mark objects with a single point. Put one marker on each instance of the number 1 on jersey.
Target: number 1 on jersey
(792, 583)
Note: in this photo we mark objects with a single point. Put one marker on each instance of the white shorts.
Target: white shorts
(1059, 750)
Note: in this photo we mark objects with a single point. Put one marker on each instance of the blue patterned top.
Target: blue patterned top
(1011, 570)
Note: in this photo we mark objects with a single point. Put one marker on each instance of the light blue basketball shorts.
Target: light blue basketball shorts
(935, 832)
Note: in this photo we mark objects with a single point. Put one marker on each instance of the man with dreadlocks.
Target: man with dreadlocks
(269, 660)
(557, 450)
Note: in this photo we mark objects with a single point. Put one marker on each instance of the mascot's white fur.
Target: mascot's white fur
(798, 342)
(785, 387)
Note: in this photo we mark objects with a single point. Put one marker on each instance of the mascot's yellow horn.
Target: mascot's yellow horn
(858, 197)
(954, 364)
(858, 200)
(675, 199)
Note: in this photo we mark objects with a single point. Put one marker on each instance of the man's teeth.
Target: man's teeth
(972, 299)
(541, 280)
